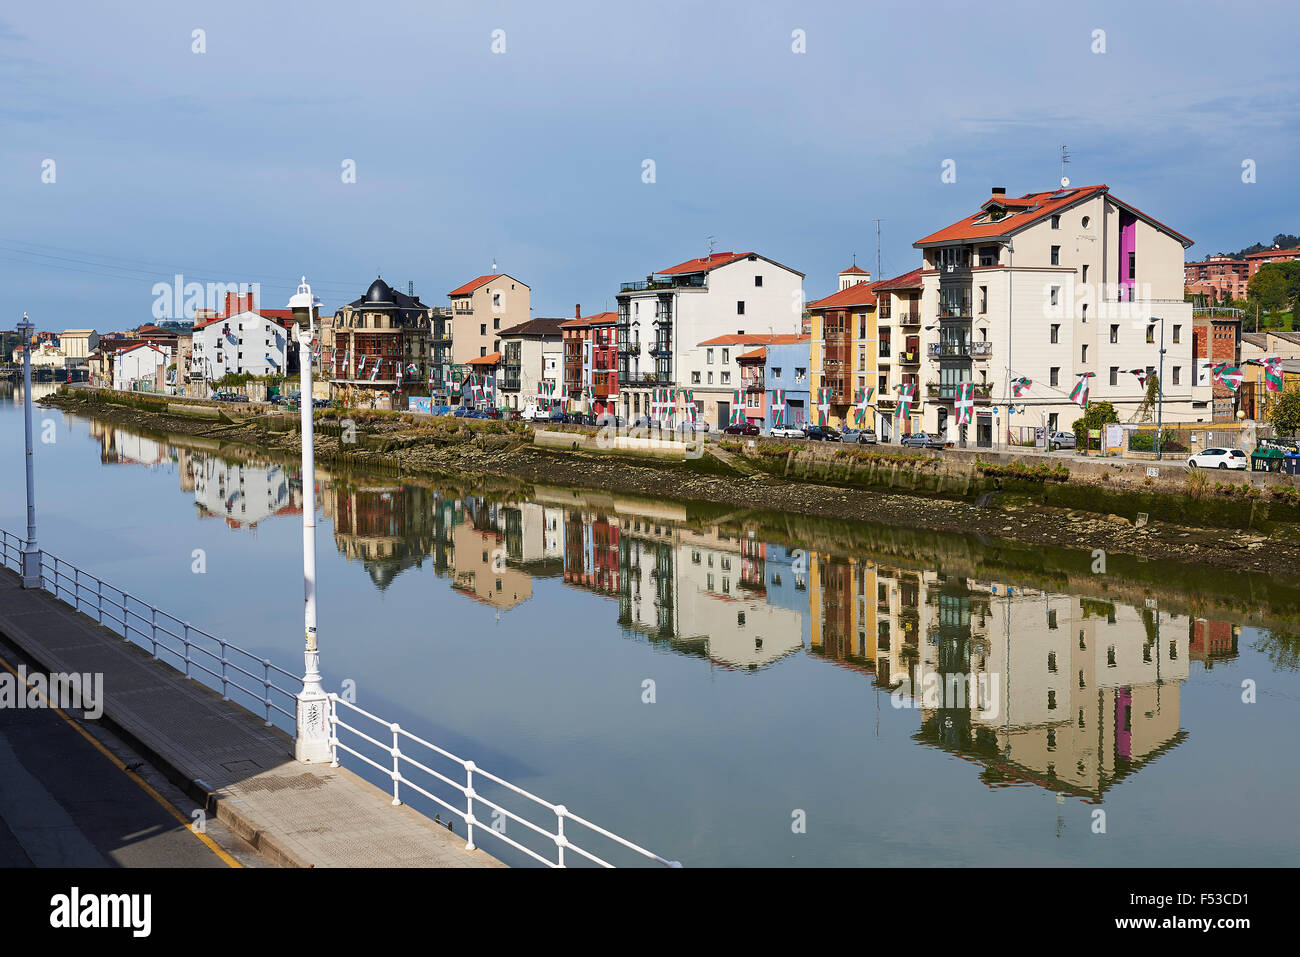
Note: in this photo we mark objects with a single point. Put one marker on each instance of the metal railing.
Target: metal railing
(399, 765)
(239, 675)
(223, 666)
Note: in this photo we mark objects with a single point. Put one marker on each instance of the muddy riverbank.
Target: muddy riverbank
(1013, 510)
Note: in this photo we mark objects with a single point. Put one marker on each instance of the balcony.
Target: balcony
(910, 318)
(954, 271)
(754, 384)
(981, 350)
(663, 282)
(662, 347)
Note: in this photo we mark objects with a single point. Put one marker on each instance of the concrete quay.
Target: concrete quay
(224, 757)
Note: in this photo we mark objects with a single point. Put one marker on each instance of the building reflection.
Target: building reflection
(1035, 687)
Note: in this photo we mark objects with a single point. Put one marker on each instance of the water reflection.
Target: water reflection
(1035, 687)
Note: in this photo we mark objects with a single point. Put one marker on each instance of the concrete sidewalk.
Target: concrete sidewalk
(298, 815)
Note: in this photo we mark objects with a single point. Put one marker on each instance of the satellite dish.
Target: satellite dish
(1065, 181)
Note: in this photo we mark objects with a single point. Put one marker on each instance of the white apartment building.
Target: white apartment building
(143, 366)
(1050, 286)
(668, 314)
(246, 342)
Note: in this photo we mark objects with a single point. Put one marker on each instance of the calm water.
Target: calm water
(524, 631)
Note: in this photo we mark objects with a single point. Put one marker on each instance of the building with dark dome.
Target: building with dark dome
(387, 342)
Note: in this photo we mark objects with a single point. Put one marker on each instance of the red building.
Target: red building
(1216, 339)
(591, 359)
(1227, 277)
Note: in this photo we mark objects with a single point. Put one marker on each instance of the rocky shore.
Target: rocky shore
(459, 448)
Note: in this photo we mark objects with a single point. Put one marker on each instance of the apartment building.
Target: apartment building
(843, 346)
(715, 372)
(381, 343)
(1226, 277)
(898, 349)
(245, 342)
(591, 361)
(674, 311)
(532, 363)
(1217, 340)
(1058, 287)
(785, 371)
(480, 309)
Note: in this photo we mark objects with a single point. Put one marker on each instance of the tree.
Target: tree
(1097, 415)
(1143, 412)
(1284, 413)
(1268, 288)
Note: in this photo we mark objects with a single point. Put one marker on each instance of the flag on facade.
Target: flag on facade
(965, 402)
(1020, 386)
(374, 373)
(1142, 376)
(906, 393)
(737, 409)
(1273, 373)
(778, 406)
(361, 368)
(412, 370)
(399, 378)
(823, 406)
(861, 400)
(1079, 394)
(689, 410)
(1226, 374)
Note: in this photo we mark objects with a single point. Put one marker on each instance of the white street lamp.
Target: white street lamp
(31, 573)
(312, 744)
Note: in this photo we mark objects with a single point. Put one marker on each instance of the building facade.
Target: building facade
(383, 343)
(1059, 288)
(591, 362)
(843, 347)
(786, 368)
(532, 364)
(666, 315)
(480, 309)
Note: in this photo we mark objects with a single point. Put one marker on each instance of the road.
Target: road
(73, 795)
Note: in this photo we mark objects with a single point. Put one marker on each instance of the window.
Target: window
(1114, 375)
(1056, 224)
(1054, 376)
(1151, 333)
(1056, 255)
(740, 307)
(726, 356)
(726, 378)
(1178, 375)
(695, 378)
(1051, 662)
(1051, 620)
(1051, 701)
(776, 372)
(758, 280)
(482, 328)
(1083, 353)
(1056, 333)
(984, 299)
(1084, 309)
(1114, 333)
(1055, 295)
(496, 323)
(708, 356)
(710, 378)
(1132, 265)
(1178, 333)
(1084, 278)
(496, 300)
(800, 374)
(1084, 223)
(482, 351)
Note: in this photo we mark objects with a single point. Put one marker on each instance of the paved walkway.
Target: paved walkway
(297, 815)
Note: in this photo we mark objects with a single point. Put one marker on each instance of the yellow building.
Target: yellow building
(843, 350)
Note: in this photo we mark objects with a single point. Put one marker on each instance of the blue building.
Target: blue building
(786, 368)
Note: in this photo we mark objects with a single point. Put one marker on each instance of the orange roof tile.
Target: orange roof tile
(741, 339)
(759, 353)
(859, 294)
(703, 264)
(855, 270)
(909, 280)
(491, 359)
(473, 284)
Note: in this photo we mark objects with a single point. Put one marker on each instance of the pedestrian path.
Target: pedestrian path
(298, 815)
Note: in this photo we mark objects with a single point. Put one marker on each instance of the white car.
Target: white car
(1218, 459)
(786, 432)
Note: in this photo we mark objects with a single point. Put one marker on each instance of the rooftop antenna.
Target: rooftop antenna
(1065, 158)
(878, 275)
(710, 238)
(494, 263)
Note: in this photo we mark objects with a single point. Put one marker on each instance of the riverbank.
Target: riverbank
(1228, 523)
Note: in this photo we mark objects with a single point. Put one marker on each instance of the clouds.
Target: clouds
(232, 157)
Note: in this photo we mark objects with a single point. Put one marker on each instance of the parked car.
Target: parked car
(742, 428)
(786, 432)
(693, 428)
(1060, 440)
(643, 422)
(821, 433)
(922, 440)
(610, 420)
(1219, 459)
(859, 436)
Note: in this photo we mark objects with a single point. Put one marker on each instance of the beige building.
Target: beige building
(78, 344)
(481, 309)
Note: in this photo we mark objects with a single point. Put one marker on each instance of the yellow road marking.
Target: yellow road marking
(144, 785)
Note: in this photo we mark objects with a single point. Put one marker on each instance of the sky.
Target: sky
(228, 165)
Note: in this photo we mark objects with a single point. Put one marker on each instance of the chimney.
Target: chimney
(577, 310)
(999, 191)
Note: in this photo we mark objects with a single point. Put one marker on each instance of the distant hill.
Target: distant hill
(1281, 241)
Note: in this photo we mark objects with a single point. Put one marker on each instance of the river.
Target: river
(731, 690)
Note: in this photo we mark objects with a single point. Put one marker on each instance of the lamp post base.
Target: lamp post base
(31, 574)
(312, 744)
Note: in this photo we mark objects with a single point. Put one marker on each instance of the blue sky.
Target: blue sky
(225, 166)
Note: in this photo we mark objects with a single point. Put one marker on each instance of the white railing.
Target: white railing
(218, 663)
(399, 764)
(224, 665)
